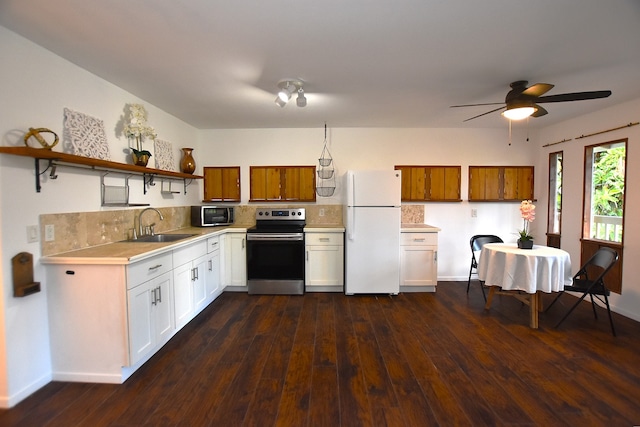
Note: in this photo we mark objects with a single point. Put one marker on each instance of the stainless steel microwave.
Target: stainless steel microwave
(210, 216)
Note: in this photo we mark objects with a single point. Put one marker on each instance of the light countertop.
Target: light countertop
(126, 252)
(418, 228)
(324, 229)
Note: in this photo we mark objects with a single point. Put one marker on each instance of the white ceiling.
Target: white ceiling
(365, 63)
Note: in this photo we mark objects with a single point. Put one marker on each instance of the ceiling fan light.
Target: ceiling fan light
(518, 113)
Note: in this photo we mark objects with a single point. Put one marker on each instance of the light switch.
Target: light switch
(32, 233)
(49, 233)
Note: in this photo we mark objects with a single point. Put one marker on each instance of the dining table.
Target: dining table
(524, 273)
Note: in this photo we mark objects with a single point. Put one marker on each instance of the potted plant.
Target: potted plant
(528, 213)
(137, 129)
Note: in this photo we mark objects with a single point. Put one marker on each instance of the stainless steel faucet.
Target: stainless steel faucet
(148, 230)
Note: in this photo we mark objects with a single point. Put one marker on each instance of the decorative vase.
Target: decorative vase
(140, 160)
(525, 244)
(187, 164)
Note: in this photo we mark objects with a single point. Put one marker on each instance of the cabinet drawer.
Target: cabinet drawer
(189, 253)
(147, 269)
(213, 244)
(324, 239)
(418, 239)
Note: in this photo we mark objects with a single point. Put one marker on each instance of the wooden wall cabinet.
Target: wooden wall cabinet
(500, 183)
(282, 183)
(221, 183)
(430, 183)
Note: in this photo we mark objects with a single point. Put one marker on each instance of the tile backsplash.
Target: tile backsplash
(80, 230)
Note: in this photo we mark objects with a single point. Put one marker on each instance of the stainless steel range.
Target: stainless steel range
(275, 252)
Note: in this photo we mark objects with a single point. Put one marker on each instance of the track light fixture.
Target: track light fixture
(287, 88)
(301, 100)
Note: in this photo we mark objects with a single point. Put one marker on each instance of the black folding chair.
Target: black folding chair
(477, 242)
(600, 263)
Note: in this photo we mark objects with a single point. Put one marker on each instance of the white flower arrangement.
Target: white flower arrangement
(138, 129)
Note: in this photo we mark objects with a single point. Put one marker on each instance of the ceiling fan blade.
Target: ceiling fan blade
(537, 89)
(576, 96)
(476, 105)
(539, 112)
(484, 114)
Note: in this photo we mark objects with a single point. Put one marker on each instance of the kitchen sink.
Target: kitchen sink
(160, 238)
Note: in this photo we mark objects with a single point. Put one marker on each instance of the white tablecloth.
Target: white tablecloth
(542, 268)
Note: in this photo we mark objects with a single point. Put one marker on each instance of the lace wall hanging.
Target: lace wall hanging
(163, 153)
(86, 135)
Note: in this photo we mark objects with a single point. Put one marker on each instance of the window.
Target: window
(554, 217)
(603, 213)
(603, 207)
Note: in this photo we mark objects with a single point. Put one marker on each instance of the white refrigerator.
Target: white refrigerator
(372, 220)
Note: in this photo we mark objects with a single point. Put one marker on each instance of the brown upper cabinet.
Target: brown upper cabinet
(430, 183)
(282, 183)
(222, 184)
(500, 183)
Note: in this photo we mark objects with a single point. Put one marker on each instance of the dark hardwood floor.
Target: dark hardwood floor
(333, 360)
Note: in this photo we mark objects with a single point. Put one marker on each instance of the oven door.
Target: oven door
(275, 263)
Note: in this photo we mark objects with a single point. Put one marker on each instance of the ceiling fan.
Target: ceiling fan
(522, 101)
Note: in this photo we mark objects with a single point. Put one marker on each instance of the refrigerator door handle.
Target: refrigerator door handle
(351, 223)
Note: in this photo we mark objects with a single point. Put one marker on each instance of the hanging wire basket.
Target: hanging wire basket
(326, 184)
(325, 173)
(325, 191)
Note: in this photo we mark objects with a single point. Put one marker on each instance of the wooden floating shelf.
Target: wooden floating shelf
(56, 158)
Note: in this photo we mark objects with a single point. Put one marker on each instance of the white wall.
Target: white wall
(36, 86)
(627, 303)
(384, 148)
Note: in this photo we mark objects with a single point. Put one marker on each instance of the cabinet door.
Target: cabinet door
(238, 255)
(299, 183)
(183, 294)
(141, 333)
(325, 266)
(163, 309)
(212, 275)
(418, 266)
(444, 183)
(199, 283)
(222, 183)
(150, 316)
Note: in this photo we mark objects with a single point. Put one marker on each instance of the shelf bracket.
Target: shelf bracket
(186, 184)
(148, 181)
(50, 165)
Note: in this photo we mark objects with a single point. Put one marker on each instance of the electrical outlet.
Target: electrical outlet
(474, 213)
(321, 212)
(49, 233)
(32, 233)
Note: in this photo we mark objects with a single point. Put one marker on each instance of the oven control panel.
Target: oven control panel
(280, 214)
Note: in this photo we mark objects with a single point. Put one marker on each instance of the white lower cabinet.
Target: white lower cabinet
(324, 262)
(107, 319)
(418, 262)
(234, 261)
(212, 272)
(189, 289)
(150, 316)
